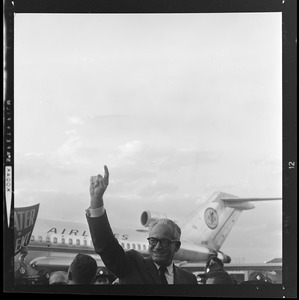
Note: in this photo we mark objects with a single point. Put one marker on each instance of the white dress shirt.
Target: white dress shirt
(95, 212)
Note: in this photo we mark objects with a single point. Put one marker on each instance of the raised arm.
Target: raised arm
(105, 244)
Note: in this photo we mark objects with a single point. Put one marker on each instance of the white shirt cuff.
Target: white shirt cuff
(95, 212)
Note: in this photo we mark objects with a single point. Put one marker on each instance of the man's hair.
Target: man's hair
(220, 277)
(58, 277)
(83, 269)
(176, 230)
(215, 260)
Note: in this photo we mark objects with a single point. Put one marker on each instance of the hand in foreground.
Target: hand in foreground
(97, 188)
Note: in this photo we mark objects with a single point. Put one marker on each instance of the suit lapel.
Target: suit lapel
(176, 275)
(152, 271)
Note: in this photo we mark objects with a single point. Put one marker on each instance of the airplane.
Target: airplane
(54, 243)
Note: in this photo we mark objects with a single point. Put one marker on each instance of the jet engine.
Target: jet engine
(148, 217)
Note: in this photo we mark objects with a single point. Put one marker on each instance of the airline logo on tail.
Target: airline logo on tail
(211, 218)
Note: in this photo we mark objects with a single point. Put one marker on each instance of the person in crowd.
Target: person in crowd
(82, 270)
(215, 273)
(131, 267)
(58, 278)
(219, 277)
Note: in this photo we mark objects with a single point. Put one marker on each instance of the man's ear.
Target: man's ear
(177, 245)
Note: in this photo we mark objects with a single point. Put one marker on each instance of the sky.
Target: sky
(178, 106)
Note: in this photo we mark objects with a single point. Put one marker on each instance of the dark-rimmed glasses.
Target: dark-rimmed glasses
(164, 242)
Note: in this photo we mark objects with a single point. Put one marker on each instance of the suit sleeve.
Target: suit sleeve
(106, 245)
(192, 278)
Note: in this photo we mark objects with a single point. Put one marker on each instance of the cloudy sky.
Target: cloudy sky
(178, 106)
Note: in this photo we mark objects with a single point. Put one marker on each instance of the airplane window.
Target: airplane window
(144, 247)
(77, 242)
(32, 238)
(128, 246)
(62, 240)
(48, 239)
(85, 243)
(40, 239)
(70, 241)
(134, 246)
(123, 245)
(55, 240)
(139, 246)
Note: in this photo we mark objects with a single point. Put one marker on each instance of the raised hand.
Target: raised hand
(97, 188)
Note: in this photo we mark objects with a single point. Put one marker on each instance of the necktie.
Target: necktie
(162, 271)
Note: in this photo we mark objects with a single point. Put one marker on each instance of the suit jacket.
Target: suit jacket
(129, 266)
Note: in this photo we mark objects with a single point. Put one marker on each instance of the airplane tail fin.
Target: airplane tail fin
(211, 223)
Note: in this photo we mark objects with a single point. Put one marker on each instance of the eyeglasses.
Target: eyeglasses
(164, 242)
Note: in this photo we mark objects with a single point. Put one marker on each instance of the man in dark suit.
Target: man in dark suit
(130, 266)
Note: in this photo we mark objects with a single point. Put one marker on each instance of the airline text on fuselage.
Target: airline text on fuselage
(77, 232)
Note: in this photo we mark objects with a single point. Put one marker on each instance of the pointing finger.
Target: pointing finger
(106, 175)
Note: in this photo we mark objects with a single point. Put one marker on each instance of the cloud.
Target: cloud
(75, 120)
(70, 132)
(130, 150)
(76, 150)
(161, 158)
(129, 176)
(158, 190)
(269, 165)
(152, 172)
(187, 158)
(38, 167)
(55, 204)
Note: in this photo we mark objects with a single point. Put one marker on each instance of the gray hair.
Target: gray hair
(176, 230)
